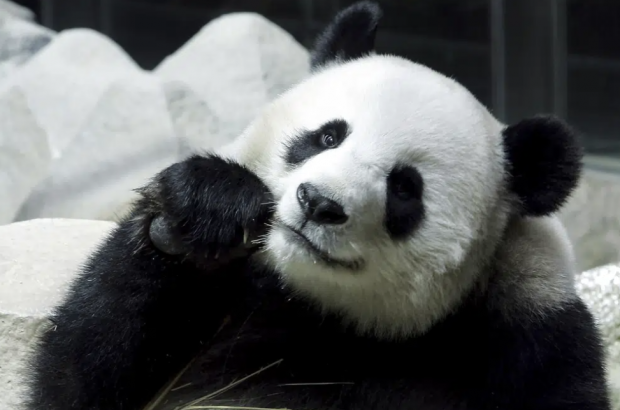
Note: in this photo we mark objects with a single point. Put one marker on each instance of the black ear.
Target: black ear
(350, 35)
(544, 156)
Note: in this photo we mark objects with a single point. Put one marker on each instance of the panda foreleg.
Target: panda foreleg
(135, 315)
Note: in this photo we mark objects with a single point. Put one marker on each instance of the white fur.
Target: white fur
(403, 112)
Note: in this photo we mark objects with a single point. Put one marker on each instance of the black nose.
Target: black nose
(318, 208)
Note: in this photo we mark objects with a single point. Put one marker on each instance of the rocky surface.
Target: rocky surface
(24, 153)
(600, 289)
(235, 65)
(15, 10)
(66, 79)
(19, 40)
(592, 219)
(193, 119)
(37, 260)
(101, 126)
(118, 149)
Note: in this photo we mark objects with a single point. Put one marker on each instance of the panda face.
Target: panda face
(386, 176)
(371, 159)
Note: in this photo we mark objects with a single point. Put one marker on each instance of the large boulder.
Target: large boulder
(235, 65)
(15, 10)
(65, 80)
(126, 139)
(43, 105)
(19, 39)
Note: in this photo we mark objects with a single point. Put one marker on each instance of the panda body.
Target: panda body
(408, 258)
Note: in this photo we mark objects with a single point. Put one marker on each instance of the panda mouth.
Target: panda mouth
(300, 238)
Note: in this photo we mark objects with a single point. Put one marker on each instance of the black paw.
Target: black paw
(208, 209)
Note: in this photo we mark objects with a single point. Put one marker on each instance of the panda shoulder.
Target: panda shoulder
(534, 267)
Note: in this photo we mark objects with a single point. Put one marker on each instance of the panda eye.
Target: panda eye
(313, 142)
(329, 140)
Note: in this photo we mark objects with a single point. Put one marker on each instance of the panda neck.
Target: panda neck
(396, 311)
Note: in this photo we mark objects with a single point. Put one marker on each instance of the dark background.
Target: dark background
(519, 57)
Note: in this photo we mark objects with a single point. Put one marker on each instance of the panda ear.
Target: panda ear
(544, 161)
(350, 35)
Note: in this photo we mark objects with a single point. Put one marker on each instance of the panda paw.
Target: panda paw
(207, 209)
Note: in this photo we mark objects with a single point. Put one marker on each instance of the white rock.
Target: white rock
(24, 153)
(116, 125)
(236, 64)
(196, 126)
(125, 142)
(65, 80)
(38, 259)
(600, 290)
(592, 219)
(15, 10)
(19, 41)
(613, 373)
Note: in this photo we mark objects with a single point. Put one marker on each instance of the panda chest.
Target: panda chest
(283, 362)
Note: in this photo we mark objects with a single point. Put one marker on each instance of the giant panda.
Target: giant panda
(375, 239)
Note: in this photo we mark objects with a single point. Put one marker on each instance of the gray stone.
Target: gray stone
(118, 125)
(196, 126)
(15, 10)
(24, 153)
(38, 259)
(125, 142)
(235, 65)
(592, 219)
(64, 82)
(600, 290)
(19, 41)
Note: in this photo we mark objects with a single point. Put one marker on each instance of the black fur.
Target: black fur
(544, 156)
(136, 316)
(310, 143)
(116, 338)
(351, 35)
(476, 359)
(404, 209)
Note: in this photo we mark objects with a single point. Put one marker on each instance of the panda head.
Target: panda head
(393, 185)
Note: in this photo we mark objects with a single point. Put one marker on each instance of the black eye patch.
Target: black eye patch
(404, 208)
(310, 143)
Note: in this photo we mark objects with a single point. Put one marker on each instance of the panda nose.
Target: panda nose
(319, 208)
